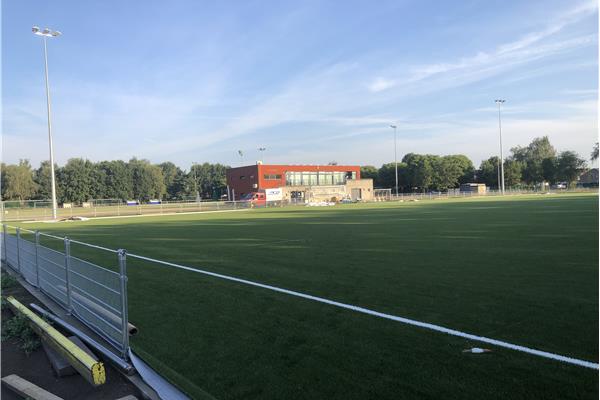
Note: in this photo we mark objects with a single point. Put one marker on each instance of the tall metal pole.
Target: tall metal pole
(500, 102)
(54, 205)
(46, 33)
(395, 158)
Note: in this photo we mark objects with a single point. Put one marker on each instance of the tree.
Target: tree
(148, 181)
(550, 169)
(369, 172)
(532, 157)
(488, 172)
(172, 176)
(18, 181)
(43, 180)
(513, 172)
(420, 170)
(452, 170)
(570, 166)
(386, 176)
(209, 179)
(76, 181)
(594, 155)
(118, 182)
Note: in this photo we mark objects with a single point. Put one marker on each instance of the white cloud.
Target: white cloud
(380, 84)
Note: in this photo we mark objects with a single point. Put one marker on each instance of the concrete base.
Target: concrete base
(60, 365)
(27, 389)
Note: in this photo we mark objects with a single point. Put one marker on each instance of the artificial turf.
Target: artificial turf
(523, 269)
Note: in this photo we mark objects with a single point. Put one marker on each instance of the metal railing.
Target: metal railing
(95, 295)
(118, 209)
(173, 207)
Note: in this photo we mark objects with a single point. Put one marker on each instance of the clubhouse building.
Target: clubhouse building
(301, 183)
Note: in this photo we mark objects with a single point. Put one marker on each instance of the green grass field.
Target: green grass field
(522, 269)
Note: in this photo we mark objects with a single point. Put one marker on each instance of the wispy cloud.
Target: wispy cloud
(323, 101)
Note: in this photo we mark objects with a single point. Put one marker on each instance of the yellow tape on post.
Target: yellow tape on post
(90, 369)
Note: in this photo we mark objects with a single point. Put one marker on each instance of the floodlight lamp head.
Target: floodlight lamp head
(35, 29)
(46, 31)
(393, 126)
(56, 33)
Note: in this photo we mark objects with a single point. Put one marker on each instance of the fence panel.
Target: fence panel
(53, 274)
(96, 298)
(27, 261)
(11, 252)
(95, 295)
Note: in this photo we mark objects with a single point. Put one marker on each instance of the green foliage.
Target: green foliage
(148, 182)
(42, 177)
(513, 172)
(570, 166)
(18, 328)
(76, 181)
(174, 180)
(118, 181)
(532, 158)
(17, 181)
(8, 281)
(386, 176)
(488, 172)
(209, 179)
(594, 154)
(368, 172)
(550, 169)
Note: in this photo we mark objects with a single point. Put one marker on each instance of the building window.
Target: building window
(272, 177)
(242, 177)
(314, 178)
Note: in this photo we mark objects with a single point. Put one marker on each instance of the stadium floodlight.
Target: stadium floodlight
(261, 151)
(394, 127)
(500, 102)
(47, 33)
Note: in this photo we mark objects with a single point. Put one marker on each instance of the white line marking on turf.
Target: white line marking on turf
(433, 327)
(143, 215)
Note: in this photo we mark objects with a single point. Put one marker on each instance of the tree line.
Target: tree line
(525, 167)
(81, 180)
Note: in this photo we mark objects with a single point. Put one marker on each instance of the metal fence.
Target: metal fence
(40, 213)
(95, 295)
(93, 210)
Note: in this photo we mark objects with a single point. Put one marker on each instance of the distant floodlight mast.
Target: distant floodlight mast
(261, 151)
(394, 127)
(47, 33)
(500, 102)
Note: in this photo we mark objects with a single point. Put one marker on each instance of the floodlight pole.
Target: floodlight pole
(395, 158)
(500, 102)
(196, 182)
(45, 34)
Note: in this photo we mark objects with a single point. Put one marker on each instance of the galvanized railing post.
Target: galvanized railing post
(68, 273)
(122, 256)
(19, 250)
(37, 259)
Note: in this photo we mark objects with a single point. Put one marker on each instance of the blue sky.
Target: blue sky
(312, 81)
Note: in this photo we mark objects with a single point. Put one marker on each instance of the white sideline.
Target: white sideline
(142, 215)
(433, 327)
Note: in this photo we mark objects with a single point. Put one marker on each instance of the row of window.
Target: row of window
(313, 178)
(319, 178)
(272, 177)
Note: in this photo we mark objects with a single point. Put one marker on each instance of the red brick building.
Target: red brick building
(252, 178)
